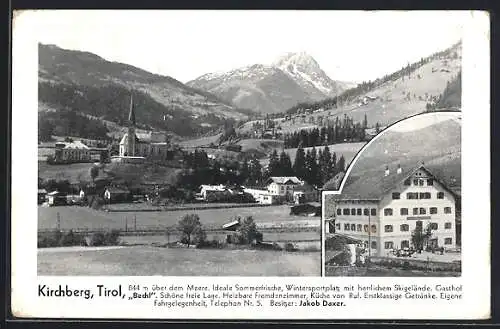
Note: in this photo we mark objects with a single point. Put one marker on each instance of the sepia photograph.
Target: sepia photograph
(398, 212)
(250, 165)
(189, 156)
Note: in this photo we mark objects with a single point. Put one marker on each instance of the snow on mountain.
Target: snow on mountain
(293, 78)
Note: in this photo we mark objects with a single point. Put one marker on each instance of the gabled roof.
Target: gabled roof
(284, 180)
(375, 187)
(113, 189)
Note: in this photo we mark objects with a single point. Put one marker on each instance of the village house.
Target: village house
(283, 186)
(114, 194)
(72, 152)
(136, 148)
(383, 210)
(56, 198)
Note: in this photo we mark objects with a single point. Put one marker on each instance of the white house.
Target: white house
(384, 209)
(72, 152)
(283, 186)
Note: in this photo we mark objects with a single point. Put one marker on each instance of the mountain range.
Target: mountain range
(292, 78)
(90, 85)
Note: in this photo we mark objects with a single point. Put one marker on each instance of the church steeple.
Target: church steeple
(131, 114)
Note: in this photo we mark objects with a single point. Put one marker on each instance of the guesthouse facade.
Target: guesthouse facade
(384, 214)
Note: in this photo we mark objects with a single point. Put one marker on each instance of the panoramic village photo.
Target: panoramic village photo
(205, 152)
(398, 211)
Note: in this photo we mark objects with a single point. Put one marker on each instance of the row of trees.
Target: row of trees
(314, 167)
(193, 233)
(342, 131)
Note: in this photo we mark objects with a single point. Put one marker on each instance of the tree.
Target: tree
(325, 166)
(365, 122)
(255, 175)
(285, 165)
(248, 232)
(341, 164)
(190, 227)
(377, 127)
(244, 171)
(273, 168)
(419, 237)
(94, 172)
(312, 167)
(299, 164)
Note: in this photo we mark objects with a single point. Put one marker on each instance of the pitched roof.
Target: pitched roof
(284, 180)
(375, 186)
(113, 189)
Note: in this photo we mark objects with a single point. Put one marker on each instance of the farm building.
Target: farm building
(386, 209)
(283, 186)
(56, 198)
(116, 194)
(305, 193)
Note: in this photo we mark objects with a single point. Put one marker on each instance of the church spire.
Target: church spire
(131, 115)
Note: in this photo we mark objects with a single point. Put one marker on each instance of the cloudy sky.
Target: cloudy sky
(349, 46)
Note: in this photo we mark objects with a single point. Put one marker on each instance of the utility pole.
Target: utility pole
(369, 238)
(58, 221)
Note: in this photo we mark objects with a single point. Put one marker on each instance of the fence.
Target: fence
(408, 263)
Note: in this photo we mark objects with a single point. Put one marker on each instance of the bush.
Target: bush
(290, 247)
(71, 239)
(111, 238)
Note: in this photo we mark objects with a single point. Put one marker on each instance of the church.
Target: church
(136, 148)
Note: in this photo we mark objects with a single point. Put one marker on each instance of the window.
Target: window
(359, 227)
(411, 195)
(405, 244)
(388, 228)
(447, 210)
(396, 195)
(339, 211)
(403, 211)
(415, 182)
(388, 245)
(374, 244)
(358, 211)
(430, 182)
(346, 212)
(404, 228)
(447, 225)
(353, 227)
(421, 182)
(366, 211)
(388, 212)
(425, 195)
(337, 226)
(373, 212)
(365, 228)
(353, 211)
(433, 210)
(346, 227)
(374, 228)
(422, 211)
(434, 226)
(415, 211)
(440, 195)
(407, 182)
(448, 241)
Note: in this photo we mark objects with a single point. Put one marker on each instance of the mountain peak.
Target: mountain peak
(300, 60)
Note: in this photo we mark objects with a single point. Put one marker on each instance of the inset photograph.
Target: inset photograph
(397, 210)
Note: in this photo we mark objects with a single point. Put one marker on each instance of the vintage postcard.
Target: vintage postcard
(250, 164)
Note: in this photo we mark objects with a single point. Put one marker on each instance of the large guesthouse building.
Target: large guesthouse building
(382, 211)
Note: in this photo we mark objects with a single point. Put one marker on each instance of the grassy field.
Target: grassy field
(73, 172)
(72, 217)
(141, 260)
